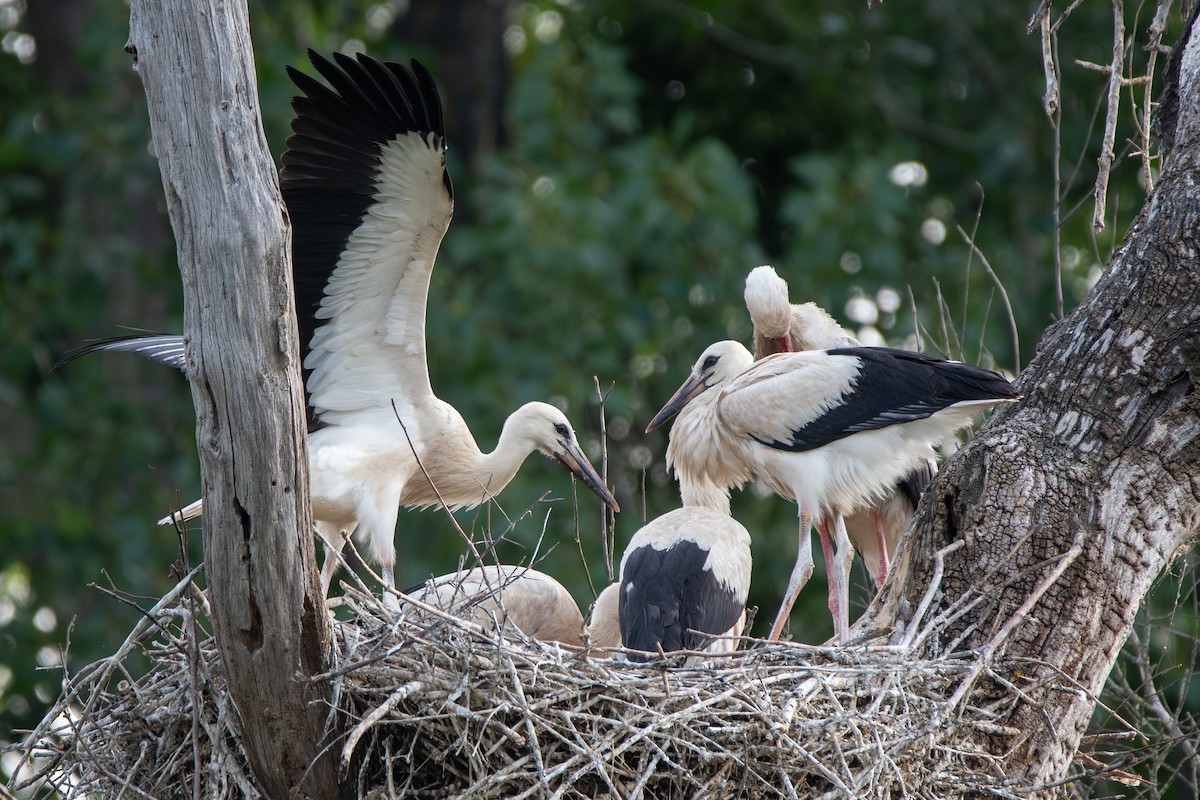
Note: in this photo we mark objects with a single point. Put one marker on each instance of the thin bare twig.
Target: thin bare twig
(1049, 62)
(1019, 616)
(1105, 161)
(1012, 318)
(935, 584)
(1154, 36)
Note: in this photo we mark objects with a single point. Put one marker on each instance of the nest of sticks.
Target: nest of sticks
(428, 705)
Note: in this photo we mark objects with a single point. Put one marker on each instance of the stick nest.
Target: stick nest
(426, 705)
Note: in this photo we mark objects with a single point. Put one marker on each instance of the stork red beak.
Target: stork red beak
(693, 386)
(573, 459)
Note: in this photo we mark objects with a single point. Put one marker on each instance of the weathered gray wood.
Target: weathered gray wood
(1070, 504)
(195, 59)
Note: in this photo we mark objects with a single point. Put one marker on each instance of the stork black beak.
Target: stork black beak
(693, 386)
(573, 459)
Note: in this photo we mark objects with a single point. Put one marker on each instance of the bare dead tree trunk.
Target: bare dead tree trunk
(222, 191)
(1049, 528)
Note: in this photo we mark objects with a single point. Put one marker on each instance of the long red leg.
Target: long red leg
(843, 559)
(831, 572)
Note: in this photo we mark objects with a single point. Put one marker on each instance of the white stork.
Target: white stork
(503, 596)
(830, 429)
(365, 184)
(782, 327)
(684, 580)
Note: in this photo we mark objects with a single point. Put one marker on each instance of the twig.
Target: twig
(1140, 80)
(1054, 112)
(380, 711)
(1012, 318)
(1066, 13)
(935, 583)
(1049, 63)
(1104, 162)
(1153, 46)
(608, 529)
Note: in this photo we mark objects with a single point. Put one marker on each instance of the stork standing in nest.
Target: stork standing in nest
(365, 183)
(783, 327)
(832, 430)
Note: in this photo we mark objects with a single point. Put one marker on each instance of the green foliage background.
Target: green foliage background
(654, 153)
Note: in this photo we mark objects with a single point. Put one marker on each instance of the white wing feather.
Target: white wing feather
(371, 351)
(783, 393)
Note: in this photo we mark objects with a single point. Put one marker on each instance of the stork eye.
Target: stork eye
(710, 362)
(560, 429)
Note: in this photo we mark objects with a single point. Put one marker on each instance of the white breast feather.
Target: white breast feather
(700, 450)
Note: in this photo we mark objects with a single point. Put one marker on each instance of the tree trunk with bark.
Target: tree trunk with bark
(195, 60)
(1038, 542)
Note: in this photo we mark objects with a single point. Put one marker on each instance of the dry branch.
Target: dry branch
(1104, 163)
(439, 707)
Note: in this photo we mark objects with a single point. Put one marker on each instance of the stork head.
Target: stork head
(719, 364)
(767, 301)
(547, 430)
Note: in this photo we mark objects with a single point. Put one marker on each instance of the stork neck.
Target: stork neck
(704, 494)
(500, 465)
(702, 454)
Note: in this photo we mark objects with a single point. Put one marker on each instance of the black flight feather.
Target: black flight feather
(164, 348)
(328, 175)
(914, 484)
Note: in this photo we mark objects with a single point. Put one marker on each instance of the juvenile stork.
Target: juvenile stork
(783, 327)
(684, 581)
(365, 184)
(830, 429)
(604, 624)
(503, 597)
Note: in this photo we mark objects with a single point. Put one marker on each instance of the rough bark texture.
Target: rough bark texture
(222, 193)
(1071, 503)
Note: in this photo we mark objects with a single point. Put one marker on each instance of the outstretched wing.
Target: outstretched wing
(365, 183)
